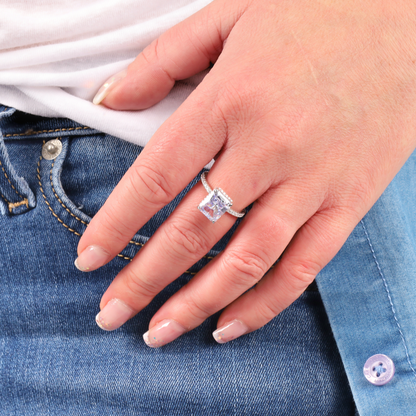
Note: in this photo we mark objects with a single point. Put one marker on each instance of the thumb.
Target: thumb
(182, 51)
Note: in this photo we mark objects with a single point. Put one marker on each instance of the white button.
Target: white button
(379, 369)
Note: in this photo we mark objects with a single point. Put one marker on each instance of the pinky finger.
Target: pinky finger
(314, 245)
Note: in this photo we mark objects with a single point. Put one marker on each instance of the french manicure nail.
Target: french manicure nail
(163, 333)
(108, 86)
(113, 315)
(91, 258)
(229, 331)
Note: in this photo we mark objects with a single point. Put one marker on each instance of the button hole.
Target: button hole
(379, 369)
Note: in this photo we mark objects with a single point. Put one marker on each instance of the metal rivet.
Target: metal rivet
(51, 149)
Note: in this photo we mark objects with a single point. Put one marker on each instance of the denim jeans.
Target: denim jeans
(55, 360)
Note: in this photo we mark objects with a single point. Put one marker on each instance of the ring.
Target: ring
(216, 203)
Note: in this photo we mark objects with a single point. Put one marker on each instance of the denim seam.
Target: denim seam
(47, 203)
(57, 197)
(389, 297)
(24, 200)
(18, 204)
(8, 179)
(7, 201)
(66, 226)
(33, 133)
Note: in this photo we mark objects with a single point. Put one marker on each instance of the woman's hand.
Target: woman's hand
(309, 111)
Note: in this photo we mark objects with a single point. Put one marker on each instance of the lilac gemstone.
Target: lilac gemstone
(215, 204)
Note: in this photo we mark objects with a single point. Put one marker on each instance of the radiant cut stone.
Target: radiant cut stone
(215, 204)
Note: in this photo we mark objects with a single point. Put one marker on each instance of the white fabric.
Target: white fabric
(56, 54)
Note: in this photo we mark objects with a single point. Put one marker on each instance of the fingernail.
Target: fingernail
(91, 258)
(108, 86)
(163, 333)
(114, 314)
(229, 331)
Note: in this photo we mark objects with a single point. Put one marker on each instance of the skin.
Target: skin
(309, 110)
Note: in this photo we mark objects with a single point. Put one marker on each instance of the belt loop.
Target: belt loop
(15, 195)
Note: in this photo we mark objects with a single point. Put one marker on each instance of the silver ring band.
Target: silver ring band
(216, 203)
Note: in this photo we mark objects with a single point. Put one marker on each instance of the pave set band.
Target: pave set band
(216, 203)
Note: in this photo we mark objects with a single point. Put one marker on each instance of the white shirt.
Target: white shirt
(55, 55)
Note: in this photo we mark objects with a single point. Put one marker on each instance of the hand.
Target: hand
(309, 110)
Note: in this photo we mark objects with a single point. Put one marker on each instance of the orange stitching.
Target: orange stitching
(33, 133)
(17, 204)
(57, 197)
(66, 226)
(5, 174)
(8, 202)
(47, 203)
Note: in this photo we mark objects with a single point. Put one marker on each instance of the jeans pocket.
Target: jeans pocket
(77, 182)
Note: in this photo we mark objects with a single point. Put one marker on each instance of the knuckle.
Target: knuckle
(302, 273)
(244, 268)
(268, 310)
(154, 54)
(361, 192)
(197, 311)
(151, 185)
(186, 239)
(151, 52)
(115, 230)
(139, 288)
(236, 99)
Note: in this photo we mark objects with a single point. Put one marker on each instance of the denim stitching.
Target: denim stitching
(390, 299)
(7, 201)
(5, 174)
(18, 204)
(33, 133)
(47, 203)
(66, 226)
(57, 197)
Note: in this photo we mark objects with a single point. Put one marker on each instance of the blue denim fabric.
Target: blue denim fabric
(55, 360)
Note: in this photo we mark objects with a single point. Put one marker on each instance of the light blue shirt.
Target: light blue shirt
(369, 292)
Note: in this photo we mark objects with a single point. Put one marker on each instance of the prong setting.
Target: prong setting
(216, 203)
